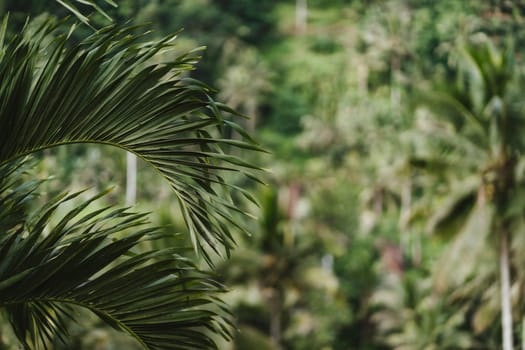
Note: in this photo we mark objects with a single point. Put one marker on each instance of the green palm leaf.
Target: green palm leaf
(105, 90)
(70, 5)
(85, 258)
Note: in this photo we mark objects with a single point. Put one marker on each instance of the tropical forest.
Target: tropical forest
(262, 175)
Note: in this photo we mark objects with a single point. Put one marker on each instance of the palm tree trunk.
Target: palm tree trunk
(404, 215)
(362, 78)
(523, 333)
(395, 90)
(275, 318)
(301, 15)
(131, 178)
(506, 309)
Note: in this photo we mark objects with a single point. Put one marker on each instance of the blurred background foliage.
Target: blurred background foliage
(371, 232)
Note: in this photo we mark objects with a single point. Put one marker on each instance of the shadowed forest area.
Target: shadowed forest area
(359, 184)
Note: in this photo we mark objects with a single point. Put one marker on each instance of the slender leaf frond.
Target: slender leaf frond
(54, 263)
(106, 90)
(70, 5)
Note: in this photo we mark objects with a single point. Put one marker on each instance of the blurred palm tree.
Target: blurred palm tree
(246, 79)
(286, 278)
(409, 315)
(74, 251)
(472, 142)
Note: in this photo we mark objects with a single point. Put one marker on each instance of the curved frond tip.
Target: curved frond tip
(111, 89)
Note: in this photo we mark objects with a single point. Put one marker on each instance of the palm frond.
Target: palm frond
(87, 258)
(493, 67)
(470, 244)
(450, 106)
(456, 204)
(70, 5)
(436, 147)
(106, 90)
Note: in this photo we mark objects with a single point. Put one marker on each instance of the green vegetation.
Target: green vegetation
(392, 215)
